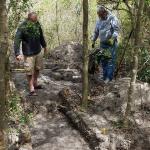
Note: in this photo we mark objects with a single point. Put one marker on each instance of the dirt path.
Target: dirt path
(49, 129)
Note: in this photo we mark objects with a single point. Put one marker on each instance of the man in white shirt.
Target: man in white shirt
(107, 29)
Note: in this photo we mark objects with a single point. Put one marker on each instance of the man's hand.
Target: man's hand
(93, 44)
(114, 36)
(115, 40)
(19, 58)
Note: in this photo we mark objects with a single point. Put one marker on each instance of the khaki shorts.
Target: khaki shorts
(32, 63)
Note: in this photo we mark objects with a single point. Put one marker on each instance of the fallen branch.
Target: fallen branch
(70, 111)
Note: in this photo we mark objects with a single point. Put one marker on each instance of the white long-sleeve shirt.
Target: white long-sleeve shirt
(106, 29)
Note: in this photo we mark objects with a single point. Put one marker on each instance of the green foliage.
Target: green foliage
(16, 112)
(16, 10)
(147, 1)
(119, 125)
(66, 3)
(30, 28)
(144, 72)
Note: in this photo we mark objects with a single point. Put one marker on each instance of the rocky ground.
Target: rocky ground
(50, 129)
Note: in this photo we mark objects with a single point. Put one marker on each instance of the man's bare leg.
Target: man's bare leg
(30, 82)
(35, 77)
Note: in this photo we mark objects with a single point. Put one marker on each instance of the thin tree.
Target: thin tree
(57, 23)
(3, 71)
(85, 54)
(137, 39)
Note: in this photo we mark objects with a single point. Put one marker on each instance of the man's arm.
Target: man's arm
(116, 28)
(17, 41)
(96, 34)
(42, 39)
(43, 42)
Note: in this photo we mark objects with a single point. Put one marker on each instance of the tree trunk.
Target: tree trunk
(4, 78)
(69, 109)
(137, 38)
(57, 23)
(85, 54)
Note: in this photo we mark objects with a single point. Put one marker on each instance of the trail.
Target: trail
(50, 129)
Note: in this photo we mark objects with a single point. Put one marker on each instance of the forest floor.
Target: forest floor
(51, 130)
